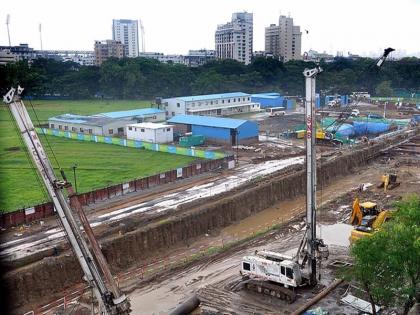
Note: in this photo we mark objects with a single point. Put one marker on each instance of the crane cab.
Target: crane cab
(272, 266)
(369, 208)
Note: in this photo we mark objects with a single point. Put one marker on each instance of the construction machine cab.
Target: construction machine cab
(369, 209)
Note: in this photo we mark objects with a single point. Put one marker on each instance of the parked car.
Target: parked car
(355, 112)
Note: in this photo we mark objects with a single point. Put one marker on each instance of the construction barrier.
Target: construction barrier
(158, 147)
(34, 213)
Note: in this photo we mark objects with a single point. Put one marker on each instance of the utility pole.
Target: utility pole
(8, 32)
(40, 39)
(74, 176)
(310, 75)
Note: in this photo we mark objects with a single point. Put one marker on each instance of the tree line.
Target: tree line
(141, 78)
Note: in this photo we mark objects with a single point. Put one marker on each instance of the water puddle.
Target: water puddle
(335, 234)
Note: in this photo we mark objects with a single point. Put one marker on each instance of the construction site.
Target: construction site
(268, 236)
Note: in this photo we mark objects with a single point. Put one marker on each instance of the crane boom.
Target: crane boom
(111, 301)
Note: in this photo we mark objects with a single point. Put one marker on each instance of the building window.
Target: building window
(211, 102)
(111, 131)
(234, 100)
(178, 105)
(90, 131)
(73, 129)
(223, 101)
(168, 129)
(243, 99)
(130, 128)
(228, 100)
(52, 126)
(248, 98)
(142, 130)
(154, 117)
(81, 129)
(66, 127)
(217, 102)
(59, 127)
(173, 113)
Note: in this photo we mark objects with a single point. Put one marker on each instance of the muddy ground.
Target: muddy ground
(199, 227)
(214, 279)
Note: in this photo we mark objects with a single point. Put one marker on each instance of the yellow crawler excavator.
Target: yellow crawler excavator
(367, 219)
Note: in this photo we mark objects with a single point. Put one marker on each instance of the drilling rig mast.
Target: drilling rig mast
(93, 263)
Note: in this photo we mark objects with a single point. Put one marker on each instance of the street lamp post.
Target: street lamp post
(74, 176)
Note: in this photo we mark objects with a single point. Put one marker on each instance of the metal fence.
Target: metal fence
(27, 215)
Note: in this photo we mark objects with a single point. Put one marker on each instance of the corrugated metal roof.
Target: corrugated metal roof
(150, 125)
(266, 95)
(79, 119)
(133, 112)
(207, 121)
(211, 96)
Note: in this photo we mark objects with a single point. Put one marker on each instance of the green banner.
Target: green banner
(167, 148)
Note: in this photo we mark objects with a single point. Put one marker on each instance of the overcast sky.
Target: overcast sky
(364, 27)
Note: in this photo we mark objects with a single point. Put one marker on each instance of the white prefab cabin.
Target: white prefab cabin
(150, 132)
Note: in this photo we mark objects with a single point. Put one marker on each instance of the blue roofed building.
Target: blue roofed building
(102, 126)
(105, 124)
(137, 115)
(224, 104)
(218, 130)
(272, 99)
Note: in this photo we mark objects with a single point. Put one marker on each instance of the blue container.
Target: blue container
(345, 131)
(317, 101)
(369, 128)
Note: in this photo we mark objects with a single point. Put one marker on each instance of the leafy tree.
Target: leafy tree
(387, 264)
(147, 78)
(384, 89)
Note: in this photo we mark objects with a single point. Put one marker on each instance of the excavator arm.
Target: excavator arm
(356, 214)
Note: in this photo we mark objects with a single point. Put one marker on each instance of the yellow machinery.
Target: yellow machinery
(367, 219)
(321, 136)
(389, 181)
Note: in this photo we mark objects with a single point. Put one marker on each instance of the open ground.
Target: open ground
(139, 238)
(95, 162)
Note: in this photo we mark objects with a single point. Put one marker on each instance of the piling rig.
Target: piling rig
(276, 274)
(87, 251)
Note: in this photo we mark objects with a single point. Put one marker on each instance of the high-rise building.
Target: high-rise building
(127, 32)
(234, 39)
(106, 49)
(284, 40)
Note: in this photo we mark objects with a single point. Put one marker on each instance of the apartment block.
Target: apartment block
(234, 40)
(106, 49)
(284, 41)
(127, 32)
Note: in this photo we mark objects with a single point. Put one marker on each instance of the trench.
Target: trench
(40, 282)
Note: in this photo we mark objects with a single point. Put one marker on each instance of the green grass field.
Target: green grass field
(98, 165)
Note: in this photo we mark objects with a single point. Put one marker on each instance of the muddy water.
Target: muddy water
(335, 234)
(285, 210)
